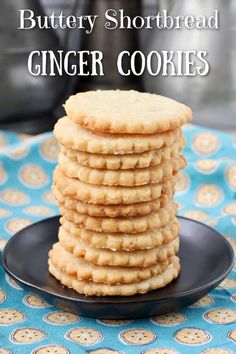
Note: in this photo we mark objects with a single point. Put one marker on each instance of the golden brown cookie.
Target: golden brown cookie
(137, 258)
(125, 161)
(82, 270)
(89, 193)
(112, 211)
(89, 288)
(125, 178)
(123, 241)
(138, 336)
(61, 318)
(132, 112)
(74, 137)
(11, 316)
(27, 335)
(192, 336)
(221, 316)
(84, 336)
(135, 224)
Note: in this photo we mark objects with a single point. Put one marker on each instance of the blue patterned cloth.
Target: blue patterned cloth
(206, 191)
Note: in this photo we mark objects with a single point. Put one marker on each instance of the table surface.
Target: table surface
(206, 191)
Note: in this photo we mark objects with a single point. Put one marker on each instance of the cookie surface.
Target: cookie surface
(89, 288)
(125, 161)
(73, 136)
(112, 211)
(82, 270)
(89, 193)
(137, 258)
(125, 178)
(130, 112)
(131, 225)
(123, 241)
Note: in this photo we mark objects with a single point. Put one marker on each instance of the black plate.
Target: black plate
(206, 258)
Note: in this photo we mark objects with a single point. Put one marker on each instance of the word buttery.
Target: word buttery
(116, 19)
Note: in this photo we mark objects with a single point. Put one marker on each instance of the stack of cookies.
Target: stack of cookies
(114, 183)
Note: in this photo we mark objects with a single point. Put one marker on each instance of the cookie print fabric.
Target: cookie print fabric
(206, 191)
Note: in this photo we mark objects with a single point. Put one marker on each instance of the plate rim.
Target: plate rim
(110, 299)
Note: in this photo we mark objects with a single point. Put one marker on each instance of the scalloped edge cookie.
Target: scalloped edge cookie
(82, 270)
(124, 241)
(90, 289)
(124, 178)
(134, 224)
(132, 112)
(136, 258)
(73, 136)
(89, 193)
(112, 211)
(125, 161)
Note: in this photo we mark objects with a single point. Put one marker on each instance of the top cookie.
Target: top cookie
(129, 112)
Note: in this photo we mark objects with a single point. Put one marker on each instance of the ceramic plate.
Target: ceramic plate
(206, 258)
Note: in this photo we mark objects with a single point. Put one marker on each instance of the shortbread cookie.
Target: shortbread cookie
(89, 193)
(137, 258)
(112, 211)
(127, 178)
(82, 270)
(135, 224)
(73, 136)
(130, 112)
(125, 161)
(123, 241)
(90, 288)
